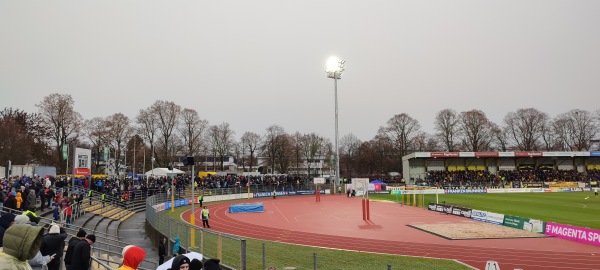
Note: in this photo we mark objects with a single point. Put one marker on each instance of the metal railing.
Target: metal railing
(229, 249)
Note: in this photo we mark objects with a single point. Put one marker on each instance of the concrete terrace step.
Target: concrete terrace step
(127, 216)
(109, 212)
(120, 214)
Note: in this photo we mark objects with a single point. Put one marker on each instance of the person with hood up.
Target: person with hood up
(6, 220)
(38, 262)
(31, 200)
(19, 200)
(180, 262)
(162, 251)
(53, 243)
(22, 243)
(22, 219)
(10, 205)
(176, 247)
(132, 257)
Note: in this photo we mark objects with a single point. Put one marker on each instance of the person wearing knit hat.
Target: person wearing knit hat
(195, 264)
(80, 236)
(54, 228)
(132, 257)
(54, 243)
(181, 262)
(81, 233)
(212, 264)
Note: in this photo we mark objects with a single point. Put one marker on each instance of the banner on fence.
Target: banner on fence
(465, 191)
(582, 235)
(526, 224)
(494, 218)
(478, 215)
(464, 212)
(450, 209)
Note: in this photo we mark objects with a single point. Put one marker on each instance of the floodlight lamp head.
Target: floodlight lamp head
(335, 67)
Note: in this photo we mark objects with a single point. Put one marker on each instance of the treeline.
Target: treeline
(165, 131)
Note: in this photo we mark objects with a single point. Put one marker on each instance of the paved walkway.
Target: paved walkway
(133, 231)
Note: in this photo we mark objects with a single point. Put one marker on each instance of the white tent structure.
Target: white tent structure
(164, 172)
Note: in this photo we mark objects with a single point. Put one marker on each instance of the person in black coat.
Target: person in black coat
(72, 243)
(54, 243)
(82, 253)
(10, 205)
(6, 220)
(162, 251)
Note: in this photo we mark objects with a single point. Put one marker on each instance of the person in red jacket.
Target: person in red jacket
(132, 257)
(69, 212)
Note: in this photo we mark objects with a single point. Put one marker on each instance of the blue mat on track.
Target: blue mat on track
(246, 208)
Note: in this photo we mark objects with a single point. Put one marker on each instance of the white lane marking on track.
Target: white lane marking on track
(280, 213)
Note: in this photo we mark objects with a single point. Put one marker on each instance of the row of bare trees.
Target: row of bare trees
(165, 131)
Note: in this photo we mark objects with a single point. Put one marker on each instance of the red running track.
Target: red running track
(336, 222)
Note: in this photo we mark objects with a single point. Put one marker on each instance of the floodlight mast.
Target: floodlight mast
(335, 68)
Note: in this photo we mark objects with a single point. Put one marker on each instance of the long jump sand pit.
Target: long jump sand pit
(473, 230)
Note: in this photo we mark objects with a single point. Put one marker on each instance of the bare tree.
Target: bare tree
(420, 142)
(525, 128)
(167, 114)
(135, 152)
(23, 139)
(191, 130)
(148, 127)
(550, 139)
(433, 144)
(222, 141)
(476, 130)
(272, 144)
(576, 129)
(311, 146)
(251, 142)
(296, 150)
(118, 132)
(238, 153)
(349, 146)
(57, 113)
(95, 131)
(499, 141)
(401, 131)
(375, 156)
(283, 157)
(446, 125)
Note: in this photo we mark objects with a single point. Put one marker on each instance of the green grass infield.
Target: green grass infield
(574, 208)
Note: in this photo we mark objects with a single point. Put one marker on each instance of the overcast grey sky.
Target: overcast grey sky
(258, 63)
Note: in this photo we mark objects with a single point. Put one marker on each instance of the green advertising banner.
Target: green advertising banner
(105, 153)
(65, 151)
(526, 224)
(514, 222)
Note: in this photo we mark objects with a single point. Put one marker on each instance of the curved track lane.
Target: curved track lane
(547, 253)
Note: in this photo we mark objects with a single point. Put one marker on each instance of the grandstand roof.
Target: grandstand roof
(498, 154)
